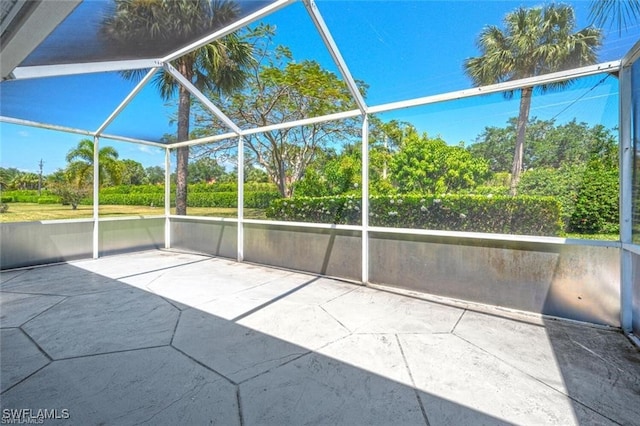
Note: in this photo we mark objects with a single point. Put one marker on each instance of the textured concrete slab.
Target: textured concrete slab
(452, 369)
(16, 309)
(244, 302)
(20, 357)
(601, 369)
(316, 389)
(236, 352)
(380, 354)
(9, 275)
(104, 322)
(371, 311)
(199, 283)
(267, 346)
(146, 262)
(60, 280)
(308, 326)
(596, 368)
(322, 291)
(522, 345)
(152, 387)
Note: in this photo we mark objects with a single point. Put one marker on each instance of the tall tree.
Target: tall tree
(280, 90)
(131, 172)
(80, 161)
(534, 41)
(217, 66)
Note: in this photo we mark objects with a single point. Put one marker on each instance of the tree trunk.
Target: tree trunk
(182, 161)
(518, 155)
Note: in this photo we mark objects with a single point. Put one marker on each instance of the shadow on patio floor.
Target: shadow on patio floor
(171, 338)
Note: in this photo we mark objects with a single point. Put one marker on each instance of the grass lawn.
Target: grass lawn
(30, 212)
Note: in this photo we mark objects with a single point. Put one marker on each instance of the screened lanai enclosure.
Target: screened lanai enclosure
(365, 141)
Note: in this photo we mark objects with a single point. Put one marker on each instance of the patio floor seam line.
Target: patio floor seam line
(233, 382)
(274, 300)
(239, 402)
(26, 378)
(464, 311)
(337, 320)
(170, 301)
(175, 327)
(160, 269)
(14, 277)
(40, 313)
(40, 348)
(35, 294)
(355, 287)
(303, 354)
(413, 382)
(542, 382)
(120, 351)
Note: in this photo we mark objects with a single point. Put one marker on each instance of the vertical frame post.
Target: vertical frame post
(365, 199)
(167, 198)
(96, 197)
(626, 199)
(240, 237)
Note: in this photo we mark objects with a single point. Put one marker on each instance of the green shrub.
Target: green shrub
(131, 199)
(597, 208)
(6, 199)
(252, 199)
(338, 209)
(256, 200)
(523, 215)
(49, 200)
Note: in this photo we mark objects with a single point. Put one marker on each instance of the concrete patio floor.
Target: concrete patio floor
(161, 337)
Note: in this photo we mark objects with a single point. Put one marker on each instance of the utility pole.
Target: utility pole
(41, 164)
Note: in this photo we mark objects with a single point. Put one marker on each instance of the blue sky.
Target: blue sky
(401, 49)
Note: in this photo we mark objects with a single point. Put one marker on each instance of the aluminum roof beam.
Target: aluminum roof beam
(127, 100)
(322, 28)
(76, 131)
(609, 67)
(38, 71)
(31, 24)
(267, 10)
(203, 99)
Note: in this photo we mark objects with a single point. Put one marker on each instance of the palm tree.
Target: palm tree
(621, 12)
(80, 161)
(218, 66)
(535, 41)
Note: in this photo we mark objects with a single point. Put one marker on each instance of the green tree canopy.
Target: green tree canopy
(548, 145)
(430, 166)
(205, 170)
(80, 167)
(534, 41)
(282, 90)
(131, 172)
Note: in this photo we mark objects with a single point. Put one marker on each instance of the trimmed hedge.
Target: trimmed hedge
(29, 196)
(193, 187)
(256, 196)
(130, 199)
(49, 199)
(253, 200)
(524, 215)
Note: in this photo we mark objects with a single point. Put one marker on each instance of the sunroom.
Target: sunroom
(357, 214)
